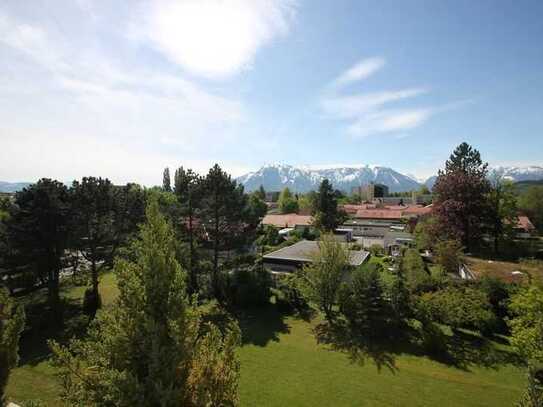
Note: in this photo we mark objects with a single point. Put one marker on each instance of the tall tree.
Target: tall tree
(12, 321)
(224, 215)
(327, 216)
(38, 229)
(101, 221)
(188, 188)
(166, 182)
(503, 212)
(152, 347)
(461, 204)
(321, 279)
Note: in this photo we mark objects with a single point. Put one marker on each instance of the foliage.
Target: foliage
(151, 347)
(459, 307)
(288, 295)
(448, 255)
(247, 286)
(363, 304)
(100, 223)
(320, 280)
(527, 323)
(377, 250)
(327, 216)
(425, 235)
(416, 276)
(38, 231)
(498, 293)
(188, 189)
(269, 237)
(306, 203)
(261, 193)
(503, 213)
(461, 204)
(166, 181)
(287, 203)
(533, 395)
(256, 208)
(531, 203)
(12, 320)
(224, 215)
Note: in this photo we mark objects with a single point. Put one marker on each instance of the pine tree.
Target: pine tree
(12, 321)
(38, 232)
(166, 182)
(151, 348)
(327, 216)
(224, 214)
(188, 189)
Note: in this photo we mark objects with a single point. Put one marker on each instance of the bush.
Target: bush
(459, 307)
(246, 287)
(288, 296)
(377, 250)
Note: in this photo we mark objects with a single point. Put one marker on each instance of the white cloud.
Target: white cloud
(353, 106)
(362, 70)
(77, 105)
(367, 114)
(215, 38)
(388, 121)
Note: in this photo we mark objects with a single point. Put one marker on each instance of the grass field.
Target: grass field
(283, 365)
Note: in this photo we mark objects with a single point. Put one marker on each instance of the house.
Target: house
(291, 258)
(524, 227)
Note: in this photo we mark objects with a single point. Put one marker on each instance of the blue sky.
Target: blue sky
(123, 89)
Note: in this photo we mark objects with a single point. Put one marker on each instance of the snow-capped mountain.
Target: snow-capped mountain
(516, 174)
(303, 179)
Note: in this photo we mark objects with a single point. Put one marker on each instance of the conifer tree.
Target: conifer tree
(327, 216)
(188, 189)
(151, 348)
(12, 321)
(166, 182)
(38, 232)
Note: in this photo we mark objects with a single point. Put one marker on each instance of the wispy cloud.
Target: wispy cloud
(367, 114)
(214, 38)
(362, 70)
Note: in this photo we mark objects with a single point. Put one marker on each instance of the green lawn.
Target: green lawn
(282, 365)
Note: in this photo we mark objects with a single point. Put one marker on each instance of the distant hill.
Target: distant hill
(12, 186)
(522, 186)
(303, 179)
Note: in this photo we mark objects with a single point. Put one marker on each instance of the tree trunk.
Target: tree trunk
(216, 251)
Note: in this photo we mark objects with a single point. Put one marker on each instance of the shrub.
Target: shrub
(246, 287)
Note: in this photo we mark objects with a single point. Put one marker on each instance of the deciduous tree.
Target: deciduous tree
(287, 202)
(461, 196)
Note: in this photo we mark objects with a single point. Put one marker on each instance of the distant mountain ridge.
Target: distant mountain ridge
(12, 186)
(275, 177)
(303, 179)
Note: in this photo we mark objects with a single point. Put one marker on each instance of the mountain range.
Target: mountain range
(275, 177)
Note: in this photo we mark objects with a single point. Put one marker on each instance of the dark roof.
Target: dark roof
(302, 251)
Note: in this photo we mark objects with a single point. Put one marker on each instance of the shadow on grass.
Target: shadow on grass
(464, 349)
(44, 323)
(340, 338)
(460, 349)
(261, 325)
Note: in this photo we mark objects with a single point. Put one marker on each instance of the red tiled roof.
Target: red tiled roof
(525, 223)
(287, 220)
(378, 214)
(418, 210)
